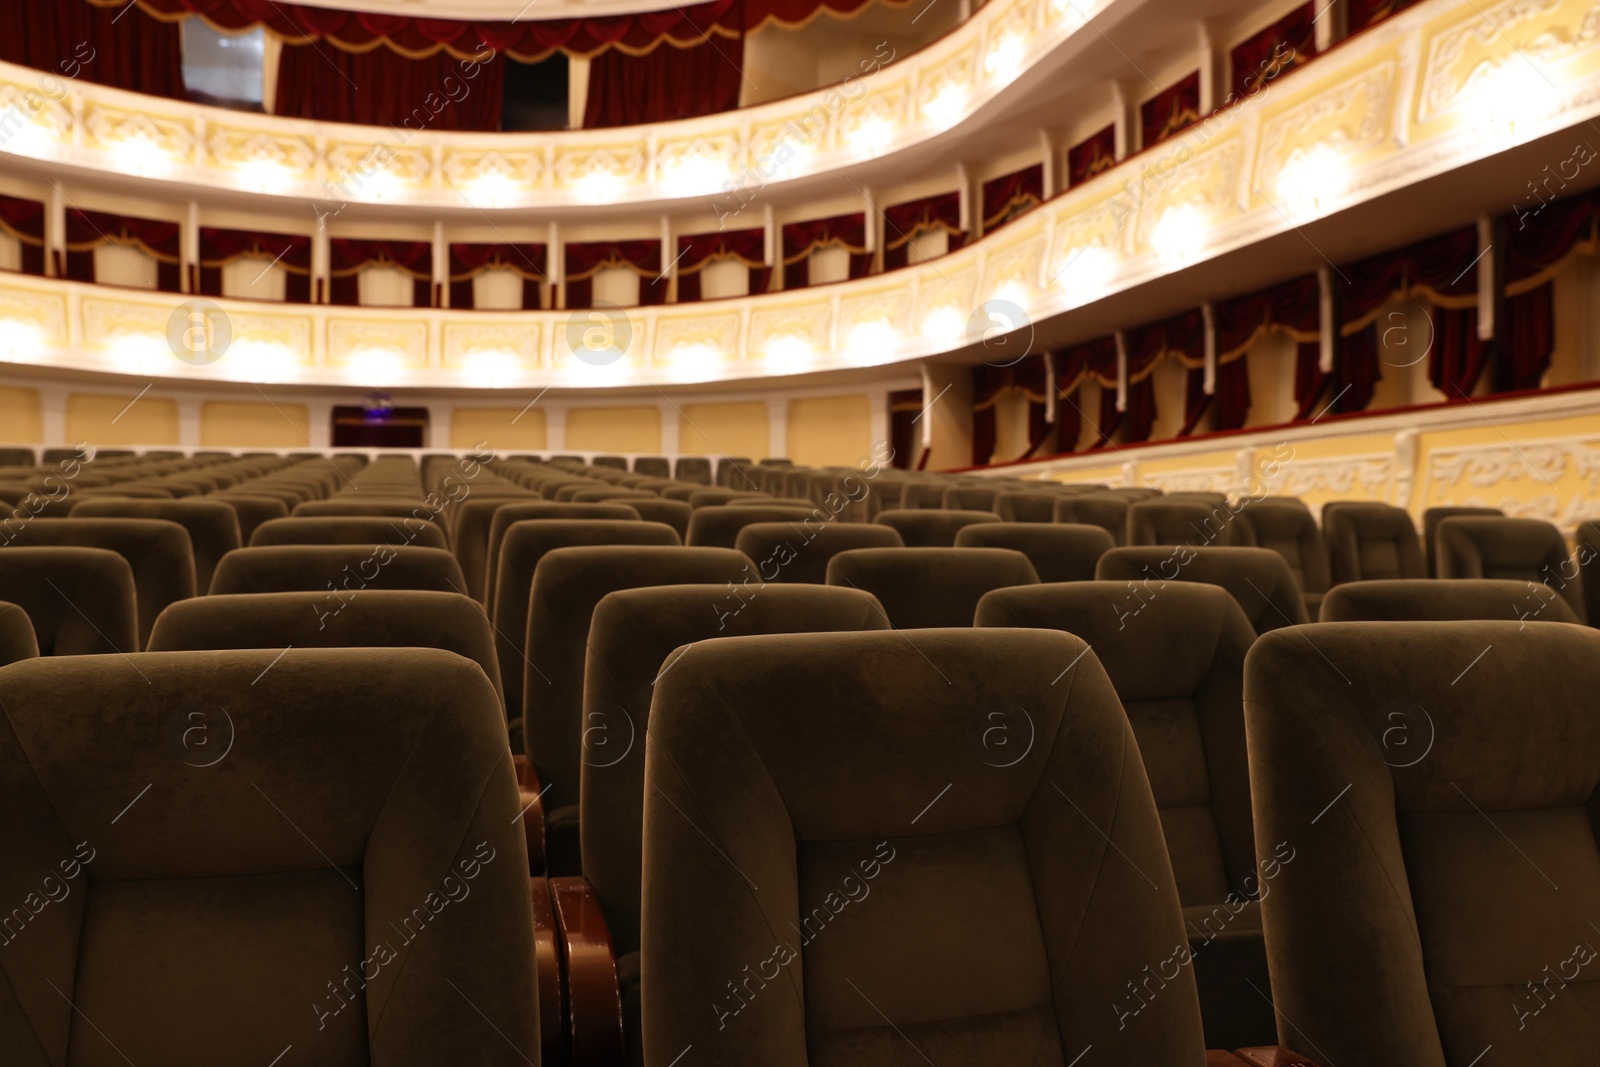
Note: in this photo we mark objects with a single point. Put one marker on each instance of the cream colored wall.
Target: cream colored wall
(830, 430)
(948, 396)
(20, 419)
(243, 424)
(632, 429)
(103, 419)
(724, 429)
(502, 428)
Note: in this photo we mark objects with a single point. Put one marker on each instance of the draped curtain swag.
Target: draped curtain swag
(1089, 157)
(800, 239)
(698, 251)
(1172, 110)
(291, 252)
(903, 223)
(1029, 376)
(88, 230)
(1538, 244)
(1010, 195)
(348, 257)
(583, 261)
(1283, 45)
(23, 220)
(467, 261)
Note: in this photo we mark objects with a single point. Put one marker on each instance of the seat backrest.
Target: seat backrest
(1451, 771)
(398, 508)
(1059, 553)
(921, 495)
(567, 585)
(1027, 505)
(157, 551)
(524, 546)
(1444, 600)
(689, 469)
(718, 527)
(366, 788)
(928, 587)
(1528, 550)
(1289, 530)
(371, 618)
(800, 551)
(213, 526)
(509, 514)
(347, 530)
(1188, 715)
(80, 601)
(970, 497)
(1367, 541)
(1431, 519)
(1257, 578)
(654, 466)
(253, 510)
(1167, 521)
(336, 571)
(17, 641)
(616, 462)
(927, 528)
(631, 642)
(839, 774)
(469, 535)
(1588, 556)
(1105, 510)
(675, 513)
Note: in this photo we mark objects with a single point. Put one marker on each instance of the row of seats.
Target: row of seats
(581, 629)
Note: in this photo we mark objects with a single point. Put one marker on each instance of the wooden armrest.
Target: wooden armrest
(594, 999)
(530, 799)
(1274, 1056)
(547, 969)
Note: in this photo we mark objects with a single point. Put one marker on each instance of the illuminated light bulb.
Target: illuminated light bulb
(1011, 293)
(140, 155)
(375, 366)
(945, 108)
(493, 189)
(1180, 235)
(871, 137)
(788, 353)
(264, 176)
(1069, 11)
(695, 175)
(599, 187)
(141, 353)
(1312, 179)
(380, 184)
(1086, 272)
(696, 354)
(1004, 60)
(263, 361)
(21, 341)
(19, 134)
(872, 342)
(487, 368)
(800, 158)
(945, 326)
(1500, 99)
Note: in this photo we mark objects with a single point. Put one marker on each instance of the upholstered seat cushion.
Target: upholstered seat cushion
(719, 526)
(213, 525)
(1257, 578)
(923, 587)
(1058, 552)
(800, 551)
(1185, 521)
(1444, 599)
(348, 530)
(337, 571)
(81, 601)
(1528, 550)
(1105, 510)
(1371, 541)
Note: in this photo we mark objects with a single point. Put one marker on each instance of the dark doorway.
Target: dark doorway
(376, 426)
(904, 407)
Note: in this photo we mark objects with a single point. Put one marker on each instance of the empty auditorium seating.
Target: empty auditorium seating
(1445, 863)
(337, 571)
(984, 914)
(718, 527)
(17, 640)
(800, 551)
(928, 587)
(675, 513)
(1026, 505)
(1108, 512)
(253, 510)
(355, 854)
(690, 469)
(348, 530)
(655, 466)
(1188, 717)
(1371, 541)
(1432, 517)
(970, 497)
(213, 526)
(157, 552)
(1444, 600)
(353, 504)
(509, 514)
(1286, 527)
(80, 601)
(927, 528)
(1527, 550)
(1184, 521)
(1257, 578)
(1059, 553)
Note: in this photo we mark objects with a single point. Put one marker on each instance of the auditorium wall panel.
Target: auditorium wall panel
(243, 424)
(830, 430)
(502, 428)
(739, 429)
(117, 419)
(20, 419)
(631, 429)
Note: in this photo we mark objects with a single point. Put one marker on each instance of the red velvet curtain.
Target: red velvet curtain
(381, 88)
(987, 383)
(1537, 244)
(1293, 307)
(88, 230)
(24, 220)
(800, 239)
(292, 252)
(904, 222)
(664, 84)
(1172, 110)
(1286, 43)
(1097, 359)
(697, 251)
(1030, 375)
(467, 261)
(1089, 157)
(1360, 289)
(584, 260)
(1010, 195)
(106, 45)
(348, 257)
(1443, 269)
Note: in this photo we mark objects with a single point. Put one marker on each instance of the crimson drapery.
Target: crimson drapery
(1182, 338)
(664, 84)
(1010, 195)
(379, 88)
(24, 221)
(697, 251)
(467, 261)
(1096, 359)
(583, 261)
(1091, 156)
(1286, 43)
(1030, 376)
(904, 222)
(1293, 308)
(1172, 110)
(88, 230)
(800, 239)
(1538, 243)
(105, 44)
(348, 257)
(292, 252)
(526, 41)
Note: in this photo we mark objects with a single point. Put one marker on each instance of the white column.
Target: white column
(53, 416)
(189, 250)
(441, 267)
(1122, 370)
(964, 210)
(1327, 342)
(554, 260)
(1208, 316)
(439, 426)
(321, 264)
(319, 415)
(1125, 99)
(555, 427)
(189, 422)
(669, 427)
(55, 232)
(777, 427)
(1487, 260)
(1048, 152)
(1213, 67)
(880, 416)
(1329, 24)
